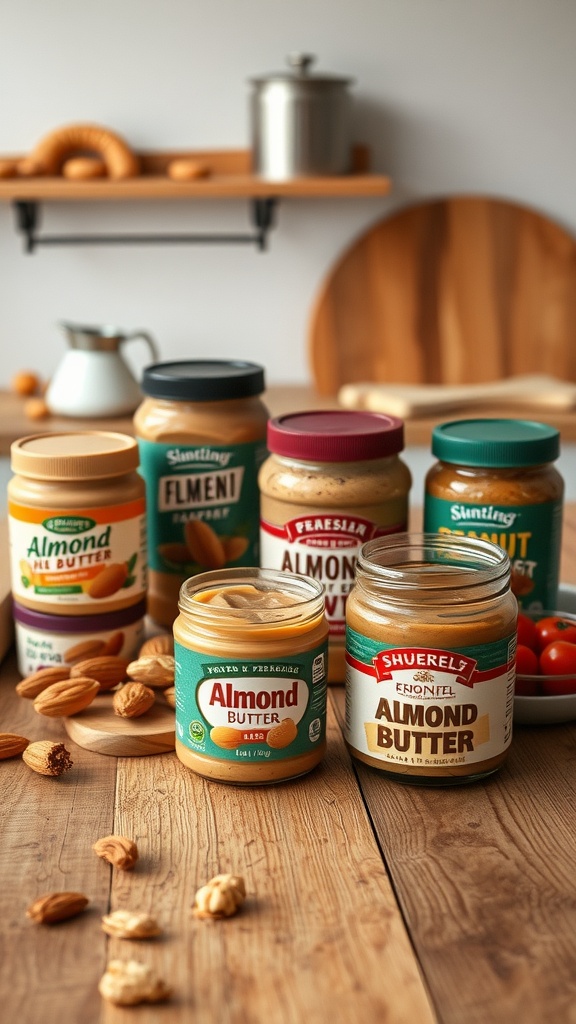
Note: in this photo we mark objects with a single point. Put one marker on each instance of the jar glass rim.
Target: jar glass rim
(409, 561)
(308, 594)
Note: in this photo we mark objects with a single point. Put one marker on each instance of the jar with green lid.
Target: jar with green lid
(332, 481)
(495, 480)
(201, 432)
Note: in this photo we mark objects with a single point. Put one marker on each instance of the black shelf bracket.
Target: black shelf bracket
(262, 217)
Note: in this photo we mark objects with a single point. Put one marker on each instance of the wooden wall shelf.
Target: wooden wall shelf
(231, 177)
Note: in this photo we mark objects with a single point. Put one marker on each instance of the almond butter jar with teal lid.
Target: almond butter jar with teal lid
(495, 480)
(251, 657)
(333, 480)
(201, 431)
(430, 658)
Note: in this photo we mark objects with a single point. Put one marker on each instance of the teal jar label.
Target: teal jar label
(425, 707)
(530, 535)
(251, 710)
(203, 505)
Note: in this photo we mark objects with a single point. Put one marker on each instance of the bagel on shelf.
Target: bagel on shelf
(81, 141)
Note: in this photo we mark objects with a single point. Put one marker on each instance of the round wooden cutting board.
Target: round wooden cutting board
(99, 729)
(451, 291)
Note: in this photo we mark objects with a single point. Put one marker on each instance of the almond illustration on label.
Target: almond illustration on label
(283, 734)
(204, 544)
(114, 644)
(225, 737)
(235, 547)
(108, 581)
(178, 554)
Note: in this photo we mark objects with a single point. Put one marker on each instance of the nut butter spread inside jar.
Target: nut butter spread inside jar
(202, 436)
(495, 480)
(76, 513)
(333, 480)
(251, 653)
(430, 652)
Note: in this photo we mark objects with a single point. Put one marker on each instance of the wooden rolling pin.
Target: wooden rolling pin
(405, 400)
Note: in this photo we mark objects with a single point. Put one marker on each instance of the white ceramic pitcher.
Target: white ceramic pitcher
(93, 379)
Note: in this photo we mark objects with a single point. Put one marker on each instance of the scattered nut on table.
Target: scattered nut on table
(128, 924)
(133, 700)
(11, 745)
(129, 982)
(161, 644)
(47, 758)
(222, 896)
(117, 850)
(57, 906)
(153, 669)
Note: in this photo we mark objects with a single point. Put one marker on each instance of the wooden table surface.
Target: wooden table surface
(368, 901)
(280, 398)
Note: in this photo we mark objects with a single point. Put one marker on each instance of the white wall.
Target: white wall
(452, 95)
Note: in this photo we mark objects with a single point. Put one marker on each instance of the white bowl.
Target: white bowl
(550, 710)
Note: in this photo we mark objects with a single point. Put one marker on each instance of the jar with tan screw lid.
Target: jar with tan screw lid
(77, 525)
(201, 431)
(333, 480)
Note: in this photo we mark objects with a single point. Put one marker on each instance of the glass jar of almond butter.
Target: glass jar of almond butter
(77, 523)
(332, 481)
(430, 658)
(201, 431)
(251, 655)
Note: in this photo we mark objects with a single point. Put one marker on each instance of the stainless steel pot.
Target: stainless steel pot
(300, 123)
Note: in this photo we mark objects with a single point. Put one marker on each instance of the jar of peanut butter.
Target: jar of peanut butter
(495, 479)
(333, 481)
(77, 523)
(251, 656)
(202, 435)
(430, 658)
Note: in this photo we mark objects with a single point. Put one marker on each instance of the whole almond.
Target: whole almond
(32, 685)
(11, 745)
(119, 851)
(67, 697)
(153, 669)
(47, 758)
(114, 644)
(57, 906)
(108, 581)
(133, 700)
(161, 644)
(204, 544)
(107, 669)
(85, 649)
(170, 696)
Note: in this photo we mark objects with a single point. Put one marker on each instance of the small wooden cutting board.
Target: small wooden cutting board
(99, 729)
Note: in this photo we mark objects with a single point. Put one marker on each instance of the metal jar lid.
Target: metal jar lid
(300, 77)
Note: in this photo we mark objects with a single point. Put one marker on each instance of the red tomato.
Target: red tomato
(554, 628)
(559, 659)
(526, 661)
(527, 632)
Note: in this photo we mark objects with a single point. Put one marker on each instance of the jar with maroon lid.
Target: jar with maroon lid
(333, 480)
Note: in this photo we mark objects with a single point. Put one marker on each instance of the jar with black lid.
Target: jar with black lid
(201, 431)
(495, 480)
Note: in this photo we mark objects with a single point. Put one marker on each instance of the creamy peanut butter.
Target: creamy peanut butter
(251, 656)
(430, 651)
(495, 480)
(201, 432)
(76, 509)
(332, 481)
